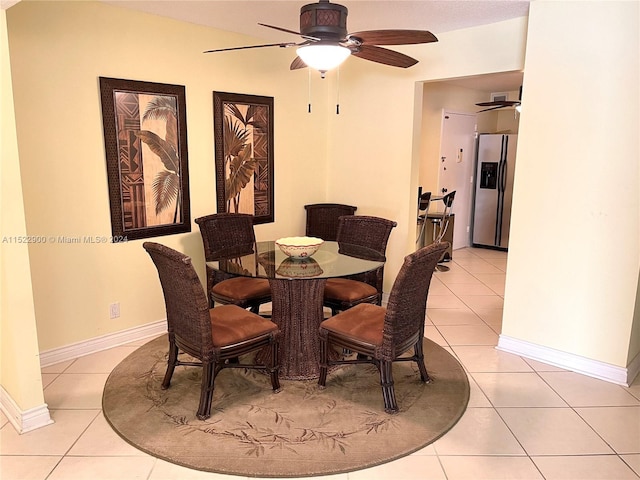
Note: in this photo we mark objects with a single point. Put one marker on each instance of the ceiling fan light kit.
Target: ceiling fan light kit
(323, 56)
(327, 22)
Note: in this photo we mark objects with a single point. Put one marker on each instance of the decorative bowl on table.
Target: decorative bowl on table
(299, 267)
(299, 247)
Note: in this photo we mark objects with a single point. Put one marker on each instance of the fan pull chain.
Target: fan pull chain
(338, 92)
(309, 107)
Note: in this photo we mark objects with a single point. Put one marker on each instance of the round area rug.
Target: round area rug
(301, 431)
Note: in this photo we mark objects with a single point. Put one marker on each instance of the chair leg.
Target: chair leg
(324, 353)
(206, 390)
(171, 363)
(388, 392)
(274, 367)
(419, 354)
(441, 267)
(255, 309)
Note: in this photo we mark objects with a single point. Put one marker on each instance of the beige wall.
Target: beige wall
(574, 252)
(19, 358)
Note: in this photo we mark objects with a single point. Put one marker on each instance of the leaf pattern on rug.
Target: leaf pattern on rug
(301, 431)
(256, 440)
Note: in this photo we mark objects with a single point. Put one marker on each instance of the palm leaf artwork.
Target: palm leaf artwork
(241, 168)
(163, 149)
(240, 164)
(261, 144)
(166, 184)
(235, 137)
(254, 117)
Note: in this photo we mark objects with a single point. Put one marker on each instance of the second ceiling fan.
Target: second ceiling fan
(326, 42)
(497, 104)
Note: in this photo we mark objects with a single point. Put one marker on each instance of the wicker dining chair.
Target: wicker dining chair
(216, 337)
(225, 230)
(365, 231)
(380, 335)
(322, 219)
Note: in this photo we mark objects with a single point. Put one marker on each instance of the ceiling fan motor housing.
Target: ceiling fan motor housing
(324, 20)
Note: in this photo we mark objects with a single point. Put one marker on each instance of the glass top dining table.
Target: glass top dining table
(297, 292)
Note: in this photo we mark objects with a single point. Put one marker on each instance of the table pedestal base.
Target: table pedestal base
(297, 310)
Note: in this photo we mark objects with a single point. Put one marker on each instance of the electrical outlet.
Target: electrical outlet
(114, 310)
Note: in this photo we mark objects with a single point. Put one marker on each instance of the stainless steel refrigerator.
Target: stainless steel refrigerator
(495, 160)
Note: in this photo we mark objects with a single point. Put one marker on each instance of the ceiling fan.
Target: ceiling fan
(496, 104)
(326, 43)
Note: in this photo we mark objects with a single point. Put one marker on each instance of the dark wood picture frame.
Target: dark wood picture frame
(145, 128)
(243, 133)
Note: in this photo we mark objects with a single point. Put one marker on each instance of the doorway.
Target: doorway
(456, 167)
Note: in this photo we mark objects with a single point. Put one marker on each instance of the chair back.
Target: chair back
(407, 303)
(444, 222)
(423, 202)
(185, 301)
(364, 231)
(224, 230)
(369, 232)
(322, 219)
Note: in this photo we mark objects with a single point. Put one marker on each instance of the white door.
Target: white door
(457, 156)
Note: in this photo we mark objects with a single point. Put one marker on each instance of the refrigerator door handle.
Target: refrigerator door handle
(502, 178)
(503, 161)
(502, 165)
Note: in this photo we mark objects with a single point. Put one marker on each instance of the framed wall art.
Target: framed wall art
(145, 137)
(243, 133)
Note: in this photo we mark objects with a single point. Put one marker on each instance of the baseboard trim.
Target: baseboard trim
(104, 342)
(23, 420)
(568, 361)
(633, 369)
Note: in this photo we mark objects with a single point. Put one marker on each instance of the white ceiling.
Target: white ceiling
(437, 16)
(243, 16)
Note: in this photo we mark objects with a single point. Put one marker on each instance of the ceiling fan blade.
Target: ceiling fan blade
(290, 31)
(279, 28)
(394, 37)
(384, 55)
(501, 103)
(297, 63)
(283, 45)
(492, 108)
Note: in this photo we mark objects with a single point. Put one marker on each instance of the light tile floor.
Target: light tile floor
(525, 420)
